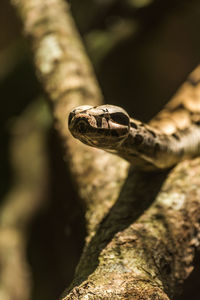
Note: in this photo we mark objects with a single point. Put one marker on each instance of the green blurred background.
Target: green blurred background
(141, 50)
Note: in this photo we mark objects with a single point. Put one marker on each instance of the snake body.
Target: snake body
(173, 135)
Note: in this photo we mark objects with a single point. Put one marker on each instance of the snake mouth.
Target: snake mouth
(70, 117)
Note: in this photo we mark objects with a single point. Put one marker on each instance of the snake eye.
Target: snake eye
(82, 127)
(120, 118)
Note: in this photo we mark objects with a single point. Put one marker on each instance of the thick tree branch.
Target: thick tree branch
(68, 79)
(136, 248)
(144, 256)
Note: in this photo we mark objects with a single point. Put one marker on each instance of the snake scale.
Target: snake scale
(172, 135)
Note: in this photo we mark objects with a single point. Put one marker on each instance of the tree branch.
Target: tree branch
(68, 80)
(29, 164)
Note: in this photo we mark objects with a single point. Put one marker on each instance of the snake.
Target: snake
(170, 137)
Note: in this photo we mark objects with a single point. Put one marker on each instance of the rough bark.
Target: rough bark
(142, 228)
(144, 249)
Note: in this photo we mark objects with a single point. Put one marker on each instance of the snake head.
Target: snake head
(104, 126)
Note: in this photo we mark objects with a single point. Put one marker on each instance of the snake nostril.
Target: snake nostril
(82, 127)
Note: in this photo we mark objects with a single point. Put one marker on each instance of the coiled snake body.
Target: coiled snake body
(173, 135)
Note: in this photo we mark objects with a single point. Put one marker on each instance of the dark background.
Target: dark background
(141, 50)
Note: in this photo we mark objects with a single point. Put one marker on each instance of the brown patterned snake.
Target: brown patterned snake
(173, 135)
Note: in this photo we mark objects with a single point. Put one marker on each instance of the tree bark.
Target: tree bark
(143, 229)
